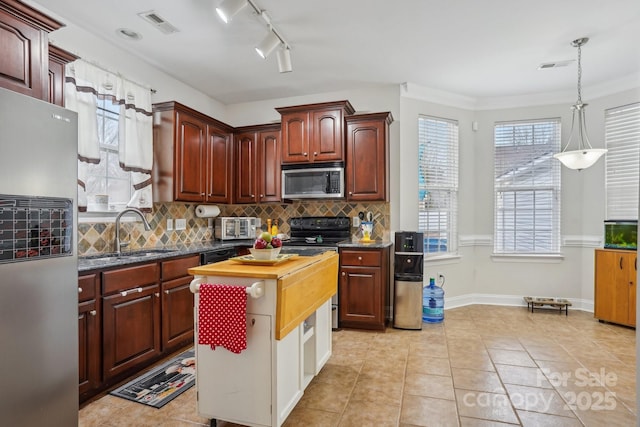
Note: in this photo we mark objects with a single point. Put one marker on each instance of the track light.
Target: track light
(284, 60)
(229, 8)
(268, 44)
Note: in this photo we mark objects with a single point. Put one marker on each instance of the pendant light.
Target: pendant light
(583, 156)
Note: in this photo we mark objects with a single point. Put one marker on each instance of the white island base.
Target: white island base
(261, 385)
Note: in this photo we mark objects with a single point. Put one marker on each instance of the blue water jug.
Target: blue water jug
(432, 303)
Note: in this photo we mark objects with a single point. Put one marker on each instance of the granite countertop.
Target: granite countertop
(107, 260)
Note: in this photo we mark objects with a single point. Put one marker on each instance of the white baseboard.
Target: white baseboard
(507, 300)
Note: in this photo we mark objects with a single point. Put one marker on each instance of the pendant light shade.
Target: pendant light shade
(284, 60)
(583, 155)
(268, 44)
(229, 8)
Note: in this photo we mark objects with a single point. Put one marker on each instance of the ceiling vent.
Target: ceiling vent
(158, 21)
(556, 64)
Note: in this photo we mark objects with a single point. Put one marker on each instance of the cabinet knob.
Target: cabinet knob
(344, 274)
(315, 153)
(253, 195)
(305, 154)
(210, 194)
(262, 196)
(202, 194)
(93, 312)
(351, 193)
(157, 294)
(167, 292)
(359, 258)
(79, 290)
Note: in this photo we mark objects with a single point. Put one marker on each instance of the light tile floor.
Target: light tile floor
(484, 366)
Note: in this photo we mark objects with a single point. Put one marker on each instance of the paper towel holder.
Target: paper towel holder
(207, 211)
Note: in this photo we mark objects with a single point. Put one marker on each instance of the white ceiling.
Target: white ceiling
(478, 49)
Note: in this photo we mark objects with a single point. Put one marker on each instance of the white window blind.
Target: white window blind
(527, 187)
(438, 184)
(622, 162)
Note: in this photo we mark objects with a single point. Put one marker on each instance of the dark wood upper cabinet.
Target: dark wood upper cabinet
(367, 164)
(24, 45)
(192, 155)
(58, 59)
(257, 164)
(314, 132)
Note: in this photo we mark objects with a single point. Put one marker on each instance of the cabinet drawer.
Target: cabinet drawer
(178, 267)
(131, 277)
(360, 258)
(87, 287)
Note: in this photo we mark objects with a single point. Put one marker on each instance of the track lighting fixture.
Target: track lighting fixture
(229, 8)
(267, 45)
(284, 60)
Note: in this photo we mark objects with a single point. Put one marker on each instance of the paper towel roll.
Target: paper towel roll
(207, 211)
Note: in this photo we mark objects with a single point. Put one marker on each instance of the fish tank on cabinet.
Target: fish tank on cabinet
(621, 234)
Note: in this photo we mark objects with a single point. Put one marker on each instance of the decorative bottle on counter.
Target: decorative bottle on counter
(432, 303)
(274, 228)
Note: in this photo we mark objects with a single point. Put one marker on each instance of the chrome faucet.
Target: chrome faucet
(124, 211)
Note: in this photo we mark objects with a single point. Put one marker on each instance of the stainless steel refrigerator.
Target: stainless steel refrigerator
(38, 263)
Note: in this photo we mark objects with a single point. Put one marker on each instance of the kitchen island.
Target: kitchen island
(288, 339)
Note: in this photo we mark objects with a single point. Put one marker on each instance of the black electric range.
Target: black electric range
(317, 233)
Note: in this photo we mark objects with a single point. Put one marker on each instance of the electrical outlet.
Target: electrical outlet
(210, 222)
(181, 224)
(355, 222)
(169, 224)
(440, 278)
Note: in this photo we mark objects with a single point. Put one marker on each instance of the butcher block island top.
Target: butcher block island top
(302, 284)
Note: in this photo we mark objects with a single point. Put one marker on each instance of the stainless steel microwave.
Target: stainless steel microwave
(313, 181)
(230, 228)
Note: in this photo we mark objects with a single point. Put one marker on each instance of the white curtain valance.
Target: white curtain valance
(84, 83)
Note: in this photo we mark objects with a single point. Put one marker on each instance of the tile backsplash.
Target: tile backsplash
(98, 237)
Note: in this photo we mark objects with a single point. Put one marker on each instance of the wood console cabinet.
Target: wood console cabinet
(367, 165)
(363, 288)
(24, 48)
(314, 132)
(615, 286)
(257, 154)
(89, 326)
(192, 155)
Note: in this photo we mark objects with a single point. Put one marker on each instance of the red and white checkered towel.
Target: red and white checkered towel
(222, 314)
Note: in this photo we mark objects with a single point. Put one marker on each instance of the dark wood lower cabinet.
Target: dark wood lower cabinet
(363, 288)
(129, 318)
(89, 321)
(131, 330)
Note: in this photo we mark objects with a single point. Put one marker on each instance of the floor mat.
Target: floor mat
(163, 383)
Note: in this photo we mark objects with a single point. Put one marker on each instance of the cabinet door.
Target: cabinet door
(326, 140)
(131, 329)
(295, 137)
(190, 158)
(246, 168)
(360, 301)
(219, 166)
(89, 351)
(24, 62)
(177, 313)
(58, 58)
(366, 161)
(269, 166)
(631, 263)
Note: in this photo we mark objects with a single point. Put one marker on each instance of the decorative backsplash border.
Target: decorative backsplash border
(99, 237)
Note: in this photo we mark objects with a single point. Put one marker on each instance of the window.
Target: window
(622, 137)
(527, 187)
(108, 177)
(438, 184)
